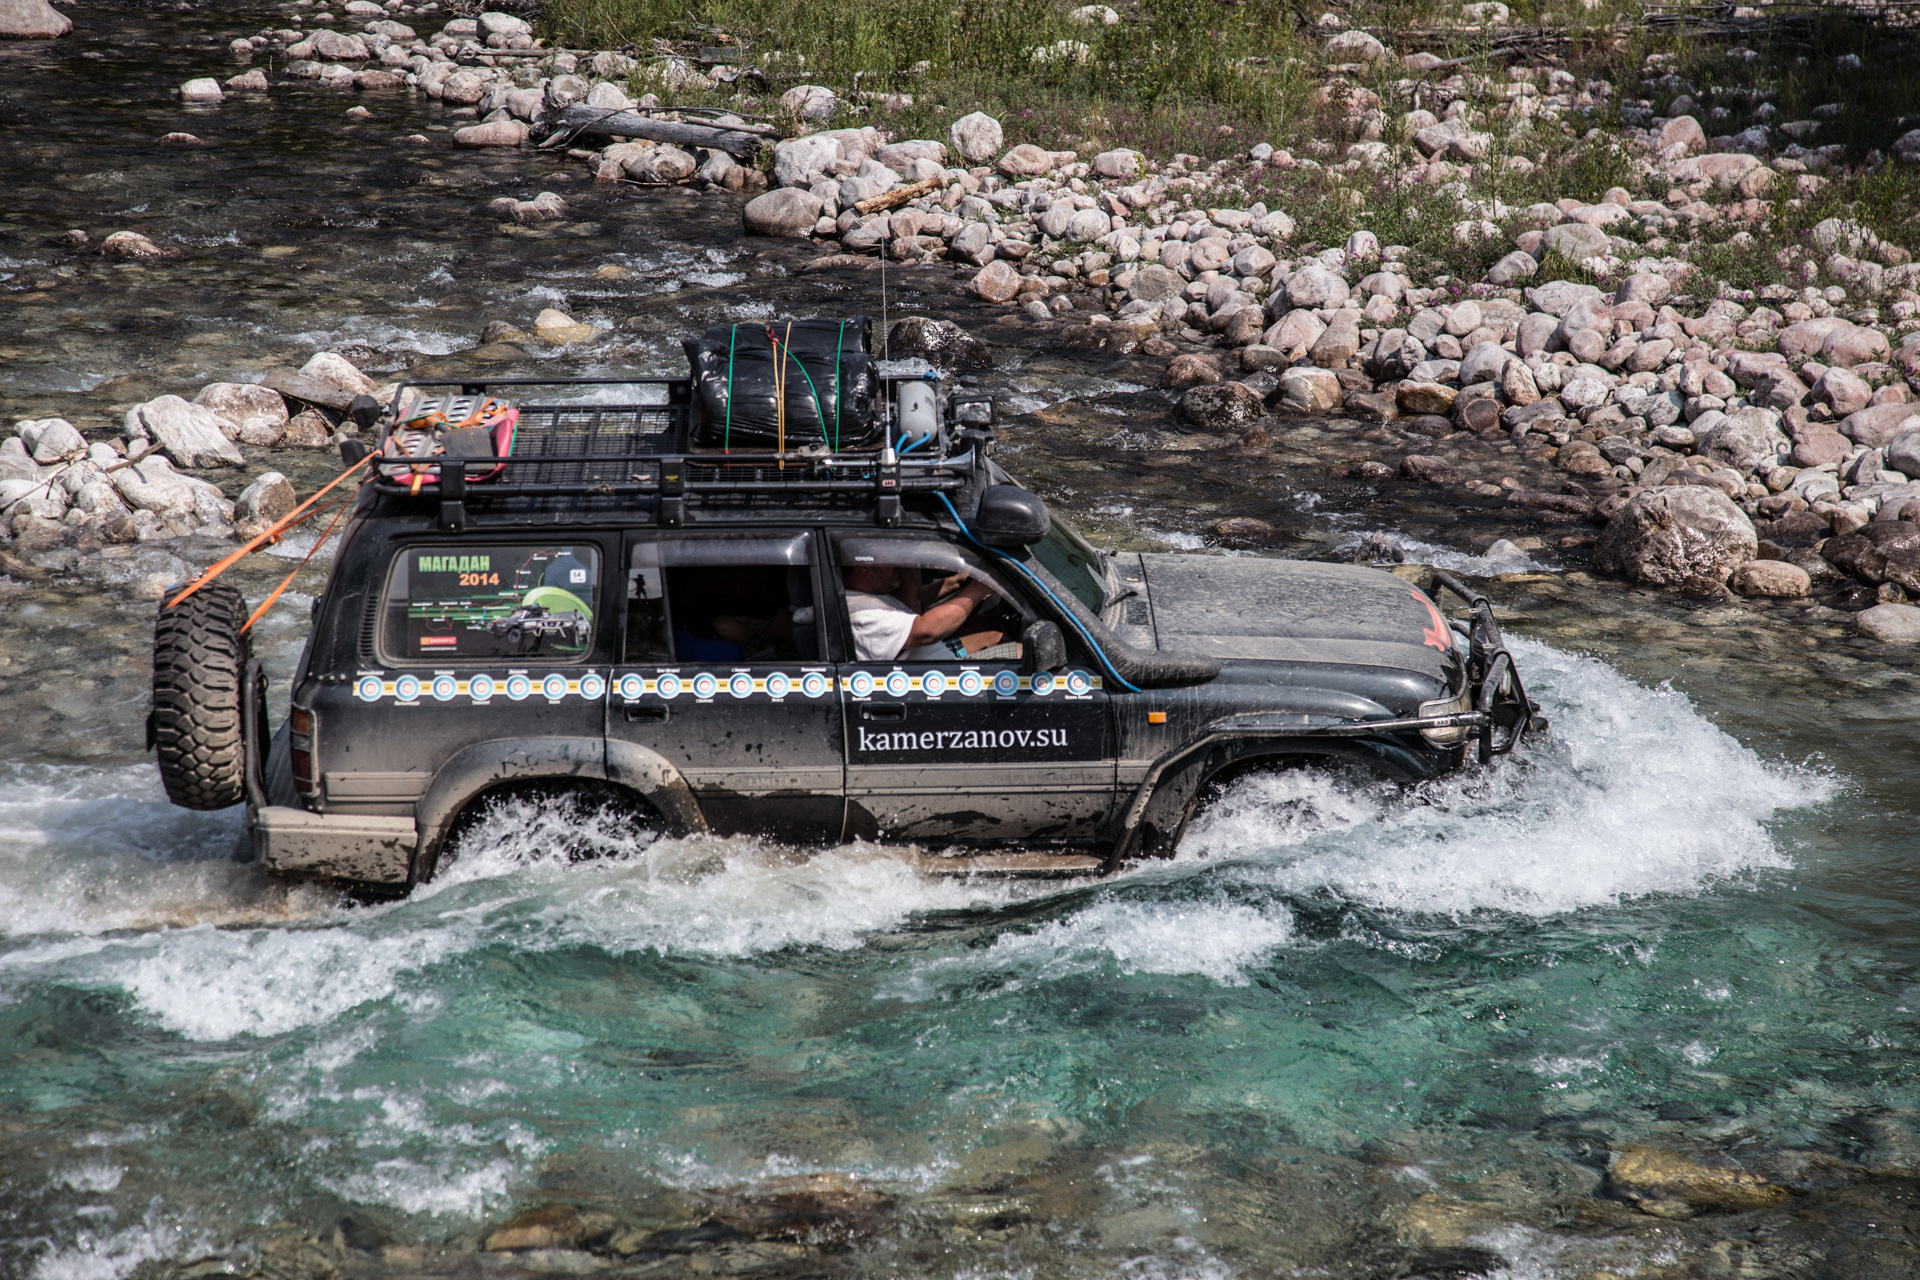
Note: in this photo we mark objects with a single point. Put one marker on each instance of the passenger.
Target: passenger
(883, 606)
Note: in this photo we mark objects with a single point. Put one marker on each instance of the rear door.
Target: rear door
(965, 748)
(721, 673)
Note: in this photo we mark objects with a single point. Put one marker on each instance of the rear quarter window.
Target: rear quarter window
(465, 603)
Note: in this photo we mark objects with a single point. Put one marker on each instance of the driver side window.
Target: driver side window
(924, 601)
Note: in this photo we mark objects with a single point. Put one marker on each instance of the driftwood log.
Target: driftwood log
(899, 196)
(569, 123)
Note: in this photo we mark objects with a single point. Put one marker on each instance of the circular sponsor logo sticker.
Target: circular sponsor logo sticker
(518, 687)
(705, 685)
(933, 684)
(1042, 683)
(1006, 684)
(741, 685)
(369, 689)
(860, 684)
(481, 688)
(1079, 683)
(970, 683)
(631, 687)
(592, 686)
(554, 686)
(778, 685)
(406, 688)
(444, 687)
(899, 683)
(667, 686)
(813, 684)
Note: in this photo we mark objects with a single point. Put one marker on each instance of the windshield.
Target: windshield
(1072, 559)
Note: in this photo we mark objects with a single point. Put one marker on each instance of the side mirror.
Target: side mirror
(1009, 516)
(365, 411)
(1042, 647)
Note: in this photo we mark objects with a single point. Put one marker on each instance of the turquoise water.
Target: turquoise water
(1340, 998)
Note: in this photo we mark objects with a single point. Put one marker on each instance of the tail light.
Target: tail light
(300, 737)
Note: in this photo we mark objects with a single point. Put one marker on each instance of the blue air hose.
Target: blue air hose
(1105, 661)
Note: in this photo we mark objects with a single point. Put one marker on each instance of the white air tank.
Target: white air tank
(919, 411)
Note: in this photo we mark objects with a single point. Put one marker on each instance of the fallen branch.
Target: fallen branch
(571, 122)
(899, 196)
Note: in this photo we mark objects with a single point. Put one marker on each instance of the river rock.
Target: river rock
(503, 24)
(36, 498)
(254, 81)
(1742, 440)
(1355, 46)
(1306, 389)
(1664, 535)
(996, 282)
(1316, 286)
(1680, 137)
(309, 429)
(32, 20)
(1667, 1185)
(1121, 164)
(1220, 406)
(939, 342)
(335, 47)
(1771, 578)
(1557, 297)
(492, 133)
(1890, 623)
(785, 211)
(803, 161)
(269, 498)
(336, 370)
(807, 101)
(977, 137)
(153, 485)
(1190, 370)
(50, 440)
(192, 435)
(1154, 283)
(1575, 240)
(1903, 453)
(463, 88)
(1418, 397)
(1854, 344)
(203, 89)
(258, 414)
(131, 244)
(1876, 425)
(1294, 334)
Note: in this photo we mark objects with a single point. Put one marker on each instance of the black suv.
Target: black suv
(742, 641)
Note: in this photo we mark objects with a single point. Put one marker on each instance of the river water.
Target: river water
(1351, 1030)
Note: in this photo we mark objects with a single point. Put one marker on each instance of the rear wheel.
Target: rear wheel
(528, 822)
(197, 728)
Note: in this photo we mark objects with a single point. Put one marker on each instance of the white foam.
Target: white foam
(442, 1189)
(1633, 793)
(111, 1255)
(1419, 552)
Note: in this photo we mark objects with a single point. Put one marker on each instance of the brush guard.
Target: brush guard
(1505, 713)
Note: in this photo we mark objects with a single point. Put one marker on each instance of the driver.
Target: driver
(883, 605)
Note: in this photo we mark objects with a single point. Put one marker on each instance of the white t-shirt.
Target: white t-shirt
(881, 625)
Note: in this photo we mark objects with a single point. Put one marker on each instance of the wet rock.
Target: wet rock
(335, 47)
(1424, 397)
(258, 414)
(1890, 623)
(32, 20)
(1667, 1185)
(308, 430)
(550, 1227)
(254, 81)
(1241, 532)
(1190, 370)
(1222, 407)
(977, 137)
(192, 435)
(269, 498)
(131, 244)
(1305, 389)
(1479, 413)
(1664, 535)
(1770, 578)
(204, 89)
(786, 211)
(336, 370)
(1418, 466)
(939, 342)
(493, 133)
(665, 165)
(557, 328)
(996, 282)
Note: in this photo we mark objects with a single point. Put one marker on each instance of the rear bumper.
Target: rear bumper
(362, 849)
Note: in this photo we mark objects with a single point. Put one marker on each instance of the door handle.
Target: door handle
(883, 711)
(648, 711)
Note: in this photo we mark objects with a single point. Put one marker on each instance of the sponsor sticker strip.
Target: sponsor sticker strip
(703, 686)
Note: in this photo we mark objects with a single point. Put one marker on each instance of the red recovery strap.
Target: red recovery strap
(273, 532)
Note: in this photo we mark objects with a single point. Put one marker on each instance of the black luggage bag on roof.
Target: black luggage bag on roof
(829, 379)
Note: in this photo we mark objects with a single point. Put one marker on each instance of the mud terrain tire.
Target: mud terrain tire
(200, 659)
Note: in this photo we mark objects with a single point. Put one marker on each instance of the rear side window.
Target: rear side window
(466, 603)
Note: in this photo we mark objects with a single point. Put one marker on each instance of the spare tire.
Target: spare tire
(197, 728)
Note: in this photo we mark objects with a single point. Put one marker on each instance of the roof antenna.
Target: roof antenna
(886, 334)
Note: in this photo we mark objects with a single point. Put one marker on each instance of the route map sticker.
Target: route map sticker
(813, 684)
(592, 686)
(481, 688)
(369, 689)
(407, 688)
(778, 685)
(899, 684)
(861, 684)
(1006, 684)
(741, 685)
(1042, 683)
(667, 686)
(631, 687)
(933, 684)
(444, 687)
(971, 683)
(705, 685)
(1079, 684)
(518, 687)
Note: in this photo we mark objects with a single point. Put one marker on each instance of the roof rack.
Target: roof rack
(642, 449)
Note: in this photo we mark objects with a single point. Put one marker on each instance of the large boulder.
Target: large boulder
(50, 440)
(1876, 425)
(1316, 286)
(1220, 406)
(1680, 137)
(1742, 440)
(269, 498)
(1903, 453)
(1662, 536)
(996, 282)
(1305, 389)
(1890, 623)
(153, 485)
(785, 211)
(939, 342)
(336, 370)
(976, 137)
(801, 162)
(32, 20)
(258, 414)
(192, 435)
(1575, 240)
